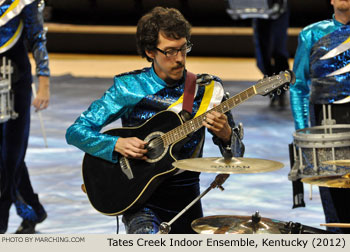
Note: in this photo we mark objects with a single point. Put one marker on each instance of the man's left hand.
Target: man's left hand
(42, 98)
(218, 124)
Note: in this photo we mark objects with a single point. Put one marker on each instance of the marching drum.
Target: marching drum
(6, 96)
(314, 145)
(266, 9)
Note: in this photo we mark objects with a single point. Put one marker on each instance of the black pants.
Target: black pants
(171, 197)
(270, 37)
(15, 183)
(335, 201)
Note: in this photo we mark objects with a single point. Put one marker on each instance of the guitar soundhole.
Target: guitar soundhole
(155, 147)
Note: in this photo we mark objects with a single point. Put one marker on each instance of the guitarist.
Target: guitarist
(162, 38)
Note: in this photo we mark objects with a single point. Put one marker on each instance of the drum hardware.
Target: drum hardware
(6, 96)
(344, 162)
(315, 145)
(229, 165)
(327, 116)
(312, 146)
(339, 225)
(334, 181)
(165, 227)
(255, 224)
(40, 117)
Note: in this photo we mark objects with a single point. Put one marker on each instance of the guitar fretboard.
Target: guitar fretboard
(194, 124)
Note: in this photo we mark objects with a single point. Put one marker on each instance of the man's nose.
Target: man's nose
(180, 56)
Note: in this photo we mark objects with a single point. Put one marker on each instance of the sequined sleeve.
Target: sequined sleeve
(236, 147)
(85, 132)
(36, 36)
(299, 92)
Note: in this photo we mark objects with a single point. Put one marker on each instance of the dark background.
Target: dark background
(200, 13)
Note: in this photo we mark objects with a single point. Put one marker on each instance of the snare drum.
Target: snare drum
(314, 145)
(6, 96)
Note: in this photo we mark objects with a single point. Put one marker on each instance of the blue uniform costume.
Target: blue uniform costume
(20, 22)
(135, 97)
(323, 80)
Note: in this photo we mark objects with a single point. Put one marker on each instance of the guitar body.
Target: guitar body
(110, 190)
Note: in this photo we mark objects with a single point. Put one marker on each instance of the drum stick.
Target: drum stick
(340, 225)
(310, 193)
(40, 117)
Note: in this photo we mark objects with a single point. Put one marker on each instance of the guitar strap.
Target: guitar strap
(190, 87)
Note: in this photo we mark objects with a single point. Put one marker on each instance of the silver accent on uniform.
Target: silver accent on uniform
(336, 51)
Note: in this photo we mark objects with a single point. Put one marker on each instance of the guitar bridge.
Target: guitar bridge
(126, 169)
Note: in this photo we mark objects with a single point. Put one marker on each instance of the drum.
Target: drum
(314, 145)
(6, 96)
(266, 9)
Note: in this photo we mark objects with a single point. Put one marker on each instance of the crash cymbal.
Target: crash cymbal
(344, 162)
(235, 224)
(335, 181)
(230, 166)
(340, 225)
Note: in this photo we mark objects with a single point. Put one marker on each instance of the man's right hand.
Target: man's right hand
(131, 147)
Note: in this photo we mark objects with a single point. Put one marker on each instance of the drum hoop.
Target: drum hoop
(322, 144)
(342, 137)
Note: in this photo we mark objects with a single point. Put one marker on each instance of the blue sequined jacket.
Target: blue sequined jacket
(135, 97)
(316, 78)
(24, 18)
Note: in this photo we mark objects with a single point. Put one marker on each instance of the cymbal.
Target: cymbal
(340, 225)
(344, 162)
(231, 166)
(235, 224)
(336, 181)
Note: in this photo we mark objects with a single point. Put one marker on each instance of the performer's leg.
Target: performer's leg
(16, 136)
(263, 45)
(5, 200)
(143, 221)
(177, 195)
(339, 197)
(279, 28)
(329, 208)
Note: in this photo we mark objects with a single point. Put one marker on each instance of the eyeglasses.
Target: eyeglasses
(172, 52)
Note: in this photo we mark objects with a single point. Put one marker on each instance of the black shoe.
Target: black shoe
(28, 226)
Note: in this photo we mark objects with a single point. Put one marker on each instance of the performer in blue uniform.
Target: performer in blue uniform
(163, 38)
(21, 24)
(322, 73)
(270, 40)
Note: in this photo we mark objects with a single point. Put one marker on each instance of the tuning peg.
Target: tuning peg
(285, 87)
(278, 91)
(272, 95)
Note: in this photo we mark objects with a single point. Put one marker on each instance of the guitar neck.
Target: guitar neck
(194, 124)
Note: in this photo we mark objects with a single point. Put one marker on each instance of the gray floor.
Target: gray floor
(56, 171)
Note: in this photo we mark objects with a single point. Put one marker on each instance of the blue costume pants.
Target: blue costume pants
(15, 184)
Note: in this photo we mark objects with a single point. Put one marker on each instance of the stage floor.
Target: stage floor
(56, 171)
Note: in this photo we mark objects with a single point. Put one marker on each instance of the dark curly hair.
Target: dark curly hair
(167, 20)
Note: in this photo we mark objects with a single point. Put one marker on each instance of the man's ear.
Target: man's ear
(150, 54)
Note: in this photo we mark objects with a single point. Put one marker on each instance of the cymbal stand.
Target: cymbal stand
(165, 227)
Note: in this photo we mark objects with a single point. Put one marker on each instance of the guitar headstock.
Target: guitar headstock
(275, 83)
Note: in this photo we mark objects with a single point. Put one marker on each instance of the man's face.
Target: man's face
(341, 5)
(169, 68)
